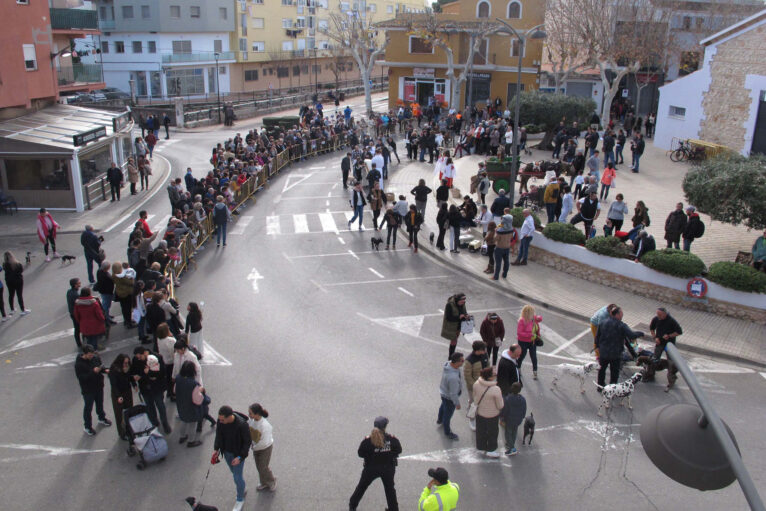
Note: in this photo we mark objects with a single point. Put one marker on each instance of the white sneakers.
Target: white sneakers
(47, 259)
(493, 454)
(238, 505)
(24, 312)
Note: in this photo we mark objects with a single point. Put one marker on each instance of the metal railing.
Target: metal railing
(200, 56)
(80, 73)
(106, 25)
(71, 19)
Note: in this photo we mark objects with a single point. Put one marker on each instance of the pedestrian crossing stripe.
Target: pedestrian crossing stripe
(309, 223)
(132, 226)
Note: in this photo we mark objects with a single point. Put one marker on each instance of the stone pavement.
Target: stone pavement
(703, 332)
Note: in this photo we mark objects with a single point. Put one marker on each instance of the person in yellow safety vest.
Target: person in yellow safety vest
(441, 494)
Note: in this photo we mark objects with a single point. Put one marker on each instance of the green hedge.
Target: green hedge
(737, 276)
(518, 218)
(609, 246)
(674, 262)
(564, 232)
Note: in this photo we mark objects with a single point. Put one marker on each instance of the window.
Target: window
(677, 111)
(514, 10)
(138, 47)
(30, 58)
(300, 22)
(182, 82)
(243, 23)
(305, 69)
(483, 9)
(223, 12)
(287, 46)
(287, 2)
(296, 70)
(222, 70)
(242, 44)
(323, 25)
(127, 11)
(22, 2)
(40, 174)
(515, 46)
(104, 46)
(146, 12)
(287, 23)
(102, 13)
(690, 61)
(316, 69)
(119, 47)
(343, 6)
(283, 72)
(194, 11)
(218, 45)
(175, 11)
(372, 8)
(251, 76)
(699, 23)
(182, 47)
(322, 3)
(323, 45)
(258, 23)
(418, 45)
(259, 46)
(151, 46)
(259, 2)
(389, 9)
(687, 22)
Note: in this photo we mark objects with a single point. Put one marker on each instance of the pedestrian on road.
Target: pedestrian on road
(527, 333)
(14, 281)
(379, 451)
(182, 354)
(391, 223)
(490, 239)
(455, 219)
(665, 329)
(442, 222)
(599, 317)
(115, 177)
(526, 236)
(151, 374)
(189, 401)
(166, 344)
(151, 141)
(263, 442)
(194, 326)
(508, 369)
(166, 123)
(514, 411)
(124, 280)
(133, 176)
(421, 193)
(144, 171)
(442, 194)
(474, 363)
(675, 225)
(232, 439)
(492, 332)
(694, 228)
(90, 316)
(122, 391)
(413, 220)
(454, 313)
(105, 288)
(503, 240)
(345, 168)
(357, 204)
(450, 388)
(607, 180)
(440, 493)
(611, 336)
(46, 232)
(141, 148)
(221, 217)
(91, 245)
(489, 404)
(71, 297)
(89, 371)
(376, 199)
(174, 195)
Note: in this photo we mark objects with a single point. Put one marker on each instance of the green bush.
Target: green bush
(737, 276)
(533, 128)
(609, 246)
(518, 218)
(565, 233)
(674, 262)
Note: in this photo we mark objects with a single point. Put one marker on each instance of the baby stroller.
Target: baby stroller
(531, 199)
(145, 439)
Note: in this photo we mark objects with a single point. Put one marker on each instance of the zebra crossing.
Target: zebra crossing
(309, 223)
(159, 226)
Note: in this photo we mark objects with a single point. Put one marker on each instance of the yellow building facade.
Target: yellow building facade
(418, 69)
(281, 43)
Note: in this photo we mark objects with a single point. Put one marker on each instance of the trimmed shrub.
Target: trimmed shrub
(737, 276)
(674, 262)
(609, 246)
(563, 232)
(518, 218)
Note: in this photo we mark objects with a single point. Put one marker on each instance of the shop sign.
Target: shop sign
(89, 136)
(423, 72)
(409, 91)
(479, 76)
(121, 121)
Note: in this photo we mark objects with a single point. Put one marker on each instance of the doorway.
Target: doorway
(425, 92)
(759, 133)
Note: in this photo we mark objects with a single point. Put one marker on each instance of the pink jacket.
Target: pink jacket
(524, 329)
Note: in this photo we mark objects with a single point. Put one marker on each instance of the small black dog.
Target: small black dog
(431, 238)
(29, 258)
(199, 506)
(67, 259)
(651, 365)
(375, 243)
(529, 428)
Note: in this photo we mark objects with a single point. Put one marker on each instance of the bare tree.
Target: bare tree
(563, 47)
(356, 33)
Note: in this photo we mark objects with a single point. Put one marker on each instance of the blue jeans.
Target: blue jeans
(688, 245)
(618, 154)
(608, 156)
(524, 249)
(358, 212)
(445, 414)
(106, 304)
(422, 154)
(142, 328)
(236, 471)
(502, 255)
(89, 399)
(550, 208)
(89, 263)
(605, 191)
(221, 231)
(636, 158)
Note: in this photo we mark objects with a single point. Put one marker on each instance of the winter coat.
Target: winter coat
(123, 283)
(451, 320)
(234, 437)
(514, 410)
(675, 225)
(640, 217)
(104, 283)
(421, 193)
(499, 205)
(13, 273)
(489, 332)
(524, 329)
(221, 213)
(132, 173)
(611, 336)
(451, 385)
(187, 410)
(492, 403)
(376, 199)
(89, 315)
(693, 226)
(472, 369)
(507, 372)
(120, 383)
(151, 382)
(90, 381)
(413, 221)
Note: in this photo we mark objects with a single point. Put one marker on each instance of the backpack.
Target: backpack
(700, 229)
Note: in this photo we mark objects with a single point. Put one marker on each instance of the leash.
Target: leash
(201, 493)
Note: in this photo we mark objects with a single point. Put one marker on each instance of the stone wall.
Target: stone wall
(727, 103)
(650, 290)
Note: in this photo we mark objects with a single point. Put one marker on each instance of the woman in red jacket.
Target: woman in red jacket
(90, 316)
(46, 231)
(527, 332)
(492, 332)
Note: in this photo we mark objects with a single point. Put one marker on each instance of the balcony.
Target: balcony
(200, 56)
(106, 25)
(80, 77)
(77, 20)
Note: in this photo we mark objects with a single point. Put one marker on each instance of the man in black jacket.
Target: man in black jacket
(72, 294)
(232, 438)
(151, 384)
(115, 177)
(612, 335)
(379, 461)
(91, 245)
(442, 194)
(345, 168)
(508, 369)
(498, 205)
(89, 371)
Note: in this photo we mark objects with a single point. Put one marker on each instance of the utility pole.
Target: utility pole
(217, 85)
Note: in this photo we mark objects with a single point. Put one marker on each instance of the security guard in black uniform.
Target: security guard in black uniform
(379, 451)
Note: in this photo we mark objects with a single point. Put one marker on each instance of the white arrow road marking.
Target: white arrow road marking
(211, 357)
(289, 186)
(49, 451)
(570, 341)
(254, 277)
(39, 340)
(555, 338)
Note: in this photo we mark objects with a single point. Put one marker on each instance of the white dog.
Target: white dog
(623, 389)
(578, 370)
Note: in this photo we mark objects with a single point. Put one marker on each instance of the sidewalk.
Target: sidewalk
(706, 333)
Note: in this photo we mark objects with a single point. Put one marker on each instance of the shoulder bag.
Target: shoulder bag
(474, 407)
(536, 336)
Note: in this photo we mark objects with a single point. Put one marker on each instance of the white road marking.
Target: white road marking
(272, 225)
(326, 203)
(336, 254)
(570, 341)
(301, 224)
(763, 374)
(328, 222)
(376, 273)
(329, 194)
(318, 285)
(341, 240)
(334, 186)
(318, 168)
(407, 329)
(705, 365)
(28, 343)
(161, 224)
(254, 276)
(556, 339)
(242, 223)
(405, 291)
(466, 455)
(319, 197)
(359, 282)
(49, 450)
(353, 254)
(132, 226)
(290, 176)
(212, 357)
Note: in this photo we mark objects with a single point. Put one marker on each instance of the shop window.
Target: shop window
(514, 10)
(419, 45)
(94, 164)
(483, 9)
(184, 82)
(37, 174)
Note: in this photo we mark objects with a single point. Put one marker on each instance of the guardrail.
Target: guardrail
(72, 19)
(205, 230)
(200, 56)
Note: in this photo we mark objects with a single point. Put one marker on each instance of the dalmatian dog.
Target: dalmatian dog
(623, 389)
(577, 370)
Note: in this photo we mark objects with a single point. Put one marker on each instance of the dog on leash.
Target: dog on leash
(375, 243)
(529, 428)
(431, 238)
(651, 365)
(67, 259)
(199, 506)
(578, 370)
(28, 259)
(622, 390)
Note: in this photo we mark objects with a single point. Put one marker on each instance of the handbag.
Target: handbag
(136, 315)
(466, 326)
(474, 407)
(536, 336)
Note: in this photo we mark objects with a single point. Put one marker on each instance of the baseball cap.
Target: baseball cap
(380, 422)
(440, 474)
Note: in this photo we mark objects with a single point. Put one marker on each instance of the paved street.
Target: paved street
(302, 316)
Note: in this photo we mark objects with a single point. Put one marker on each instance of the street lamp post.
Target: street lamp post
(316, 75)
(532, 33)
(217, 85)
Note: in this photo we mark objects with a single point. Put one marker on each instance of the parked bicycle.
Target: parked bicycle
(686, 152)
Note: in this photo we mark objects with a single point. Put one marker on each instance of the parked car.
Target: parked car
(113, 93)
(80, 98)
